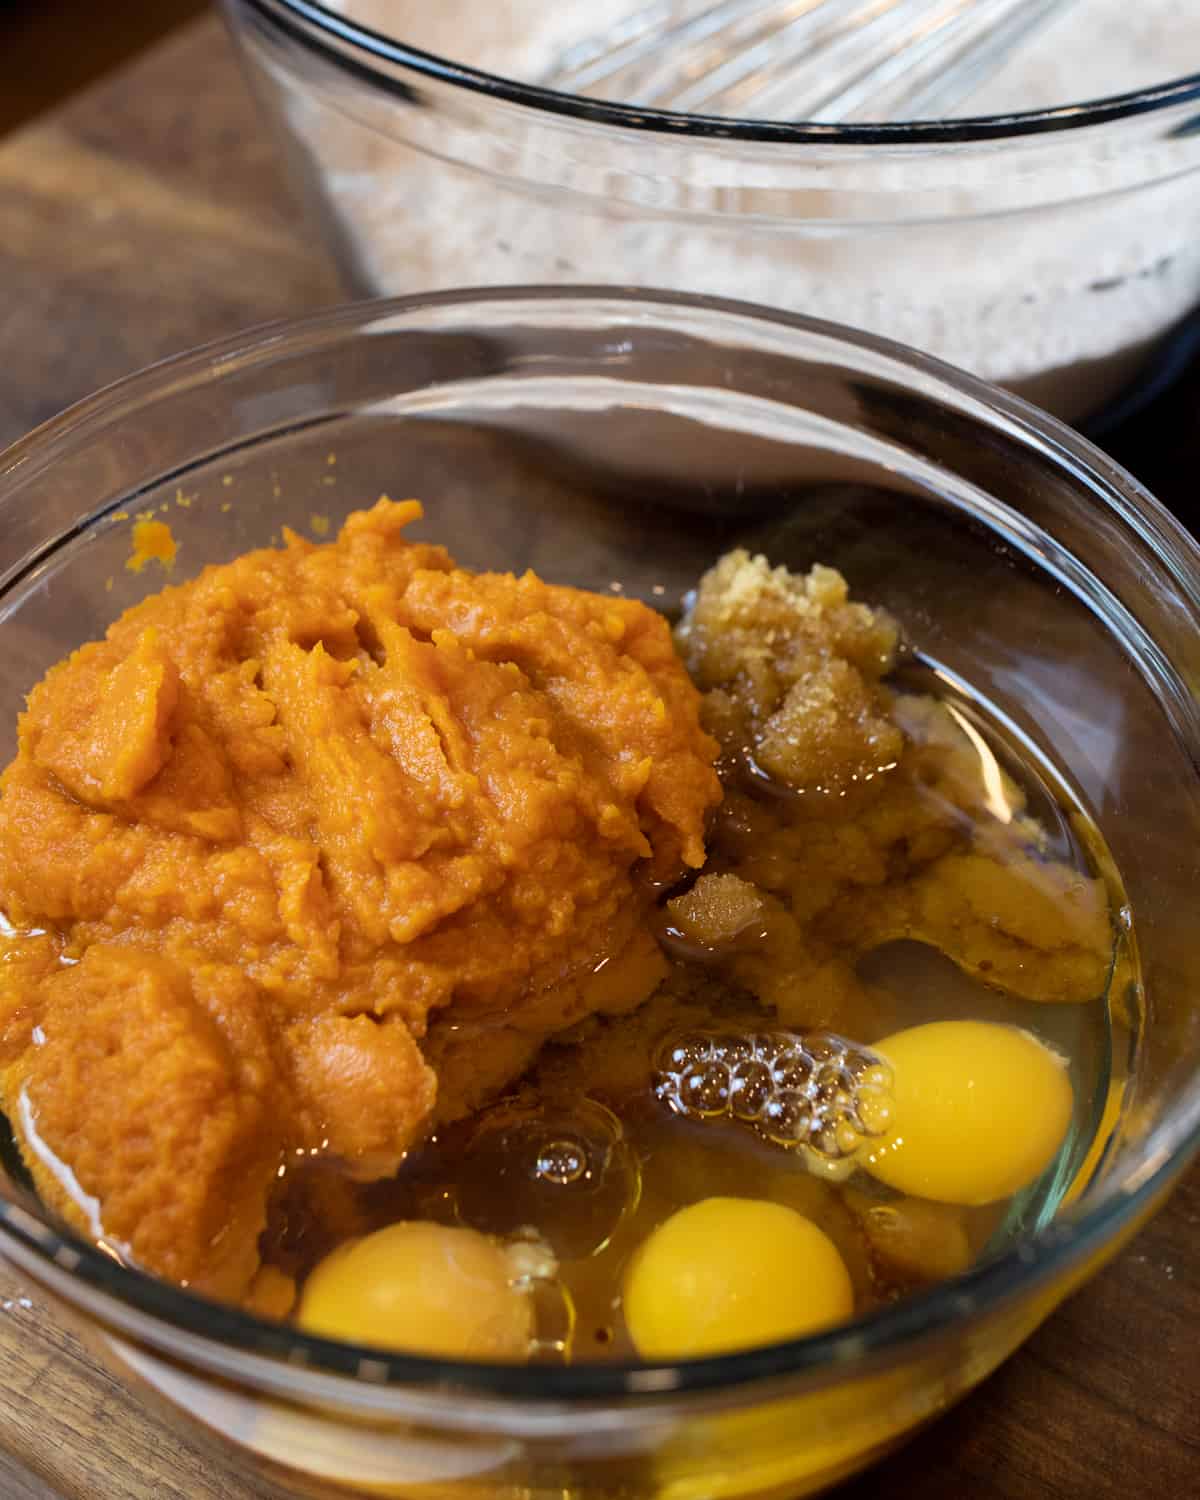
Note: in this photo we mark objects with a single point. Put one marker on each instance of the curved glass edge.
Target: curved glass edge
(313, 25)
(1153, 524)
(1050, 1252)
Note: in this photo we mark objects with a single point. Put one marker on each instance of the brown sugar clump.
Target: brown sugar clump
(718, 909)
(790, 667)
(916, 1241)
(904, 839)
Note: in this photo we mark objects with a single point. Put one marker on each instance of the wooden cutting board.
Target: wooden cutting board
(150, 215)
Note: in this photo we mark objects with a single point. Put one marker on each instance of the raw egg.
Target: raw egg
(730, 1273)
(420, 1287)
(979, 1111)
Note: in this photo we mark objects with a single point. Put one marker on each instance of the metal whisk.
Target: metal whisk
(813, 60)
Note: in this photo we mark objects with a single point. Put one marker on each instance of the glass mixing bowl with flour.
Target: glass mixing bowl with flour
(1049, 250)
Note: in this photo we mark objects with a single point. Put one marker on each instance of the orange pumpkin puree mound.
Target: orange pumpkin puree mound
(297, 831)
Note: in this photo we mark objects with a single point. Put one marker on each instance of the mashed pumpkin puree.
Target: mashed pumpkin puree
(285, 843)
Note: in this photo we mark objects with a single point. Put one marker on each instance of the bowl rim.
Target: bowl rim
(1030, 1263)
(328, 33)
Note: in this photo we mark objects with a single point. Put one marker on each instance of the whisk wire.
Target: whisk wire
(802, 59)
(899, 53)
(813, 66)
(731, 80)
(981, 58)
(613, 58)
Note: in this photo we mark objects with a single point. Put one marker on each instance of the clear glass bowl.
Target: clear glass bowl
(621, 441)
(1048, 251)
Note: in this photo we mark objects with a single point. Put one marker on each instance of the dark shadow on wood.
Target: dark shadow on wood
(50, 48)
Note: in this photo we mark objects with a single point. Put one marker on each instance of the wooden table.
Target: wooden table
(148, 216)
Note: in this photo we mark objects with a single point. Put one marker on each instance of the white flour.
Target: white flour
(1060, 301)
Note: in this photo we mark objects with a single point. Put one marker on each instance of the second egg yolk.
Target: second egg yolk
(730, 1273)
(420, 1287)
(979, 1111)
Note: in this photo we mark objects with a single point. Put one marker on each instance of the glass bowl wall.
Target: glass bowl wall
(1050, 252)
(621, 441)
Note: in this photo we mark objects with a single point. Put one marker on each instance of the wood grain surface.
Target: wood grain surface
(150, 215)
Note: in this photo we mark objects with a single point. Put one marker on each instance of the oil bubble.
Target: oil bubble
(562, 1162)
(565, 1168)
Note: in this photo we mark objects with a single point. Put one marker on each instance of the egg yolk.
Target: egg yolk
(729, 1273)
(421, 1287)
(979, 1111)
